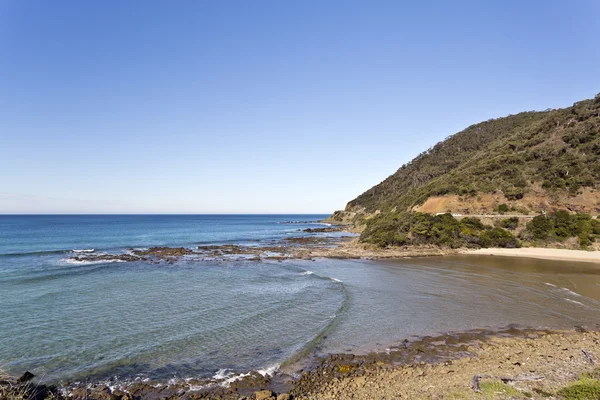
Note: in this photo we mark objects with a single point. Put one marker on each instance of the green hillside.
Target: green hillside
(552, 157)
(557, 149)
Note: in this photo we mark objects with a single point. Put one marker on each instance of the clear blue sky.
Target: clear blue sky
(263, 106)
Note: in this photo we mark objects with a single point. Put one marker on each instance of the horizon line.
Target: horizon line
(284, 213)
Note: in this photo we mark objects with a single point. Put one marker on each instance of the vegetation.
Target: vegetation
(587, 387)
(510, 223)
(393, 229)
(399, 229)
(503, 208)
(561, 225)
(495, 389)
(557, 150)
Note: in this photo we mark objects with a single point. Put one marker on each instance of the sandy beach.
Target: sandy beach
(541, 253)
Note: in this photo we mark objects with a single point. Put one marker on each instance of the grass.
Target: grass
(497, 389)
(11, 390)
(586, 388)
(583, 389)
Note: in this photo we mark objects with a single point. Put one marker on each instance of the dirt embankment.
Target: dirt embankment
(534, 202)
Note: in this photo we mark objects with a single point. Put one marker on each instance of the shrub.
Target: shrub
(510, 223)
(583, 390)
(561, 225)
(473, 223)
(540, 227)
(498, 237)
(502, 208)
(587, 387)
(595, 225)
(585, 240)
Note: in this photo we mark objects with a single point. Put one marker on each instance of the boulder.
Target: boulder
(264, 395)
(26, 377)
(79, 393)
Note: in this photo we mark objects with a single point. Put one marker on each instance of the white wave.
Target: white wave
(131, 251)
(233, 378)
(307, 273)
(221, 374)
(272, 254)
(193, 388)
(269, 371)
(574, 301)
(571, 292)
(83, 250)
(88, 262)
(335, 280)
(225, 377)
(549, 284)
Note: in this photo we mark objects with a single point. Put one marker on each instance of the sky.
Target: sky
(262, 106)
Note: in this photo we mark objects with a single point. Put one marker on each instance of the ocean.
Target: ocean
(67, 320)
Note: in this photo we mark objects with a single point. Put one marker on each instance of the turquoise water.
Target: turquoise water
(194, 318)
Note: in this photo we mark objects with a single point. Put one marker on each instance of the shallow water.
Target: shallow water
(399, 299)
(194, 318)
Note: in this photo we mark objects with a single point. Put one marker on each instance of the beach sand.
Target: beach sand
(541, 253)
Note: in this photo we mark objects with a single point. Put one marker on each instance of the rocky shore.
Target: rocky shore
(311, 246)
(538, 365)
(479, 364)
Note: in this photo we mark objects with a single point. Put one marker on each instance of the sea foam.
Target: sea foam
(571, 292)
(574, 301)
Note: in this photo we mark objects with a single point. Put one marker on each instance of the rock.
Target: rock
(79, 393)
(284, 396)
(252, 381)
(264, 395)
(317, 230)
(26, 377)
(101, 393)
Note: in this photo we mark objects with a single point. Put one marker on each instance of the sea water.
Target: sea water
(196, 318)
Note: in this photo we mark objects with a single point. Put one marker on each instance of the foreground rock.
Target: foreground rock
(480, 364)
(24, 388)
(544, 365)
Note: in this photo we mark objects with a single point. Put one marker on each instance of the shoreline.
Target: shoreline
(436, 367)
(540, 253)
(339, 375)
(538, 364)
(315, 245)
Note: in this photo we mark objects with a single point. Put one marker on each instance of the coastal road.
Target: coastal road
(492, 215)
